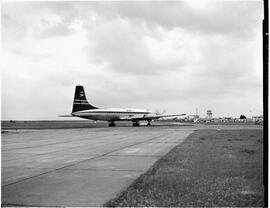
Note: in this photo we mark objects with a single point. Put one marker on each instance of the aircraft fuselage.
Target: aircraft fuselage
(110, 114)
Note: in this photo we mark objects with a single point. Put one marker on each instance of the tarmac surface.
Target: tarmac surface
(79, 167)
(83, 166)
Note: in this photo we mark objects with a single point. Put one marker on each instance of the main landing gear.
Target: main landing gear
(148, 123)
(136, 124)
(111, 124)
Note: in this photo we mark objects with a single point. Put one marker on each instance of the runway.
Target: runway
(79, 167)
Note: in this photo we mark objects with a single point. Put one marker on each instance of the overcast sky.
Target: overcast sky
(175, 55)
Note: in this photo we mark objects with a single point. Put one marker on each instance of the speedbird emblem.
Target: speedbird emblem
(81, 94)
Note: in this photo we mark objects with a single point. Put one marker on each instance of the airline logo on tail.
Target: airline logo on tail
(81, 94)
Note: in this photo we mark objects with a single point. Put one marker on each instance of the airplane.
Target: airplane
(82, 109)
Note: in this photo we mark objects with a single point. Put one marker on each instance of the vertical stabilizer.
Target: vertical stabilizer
(80, 102)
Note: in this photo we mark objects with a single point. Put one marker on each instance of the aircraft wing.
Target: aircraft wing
(154, 117)
(150, 117)
(66, 115)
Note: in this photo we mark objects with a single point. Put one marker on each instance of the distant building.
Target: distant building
(209, 114)
(257, 118)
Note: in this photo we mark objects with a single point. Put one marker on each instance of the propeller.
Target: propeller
(158, 113)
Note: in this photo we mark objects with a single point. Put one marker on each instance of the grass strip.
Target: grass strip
(210, 168)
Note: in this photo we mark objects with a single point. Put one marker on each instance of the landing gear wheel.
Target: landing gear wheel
(111, 124)
(148, 124)
(136, 124)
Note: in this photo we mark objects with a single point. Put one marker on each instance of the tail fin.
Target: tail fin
(80, 102)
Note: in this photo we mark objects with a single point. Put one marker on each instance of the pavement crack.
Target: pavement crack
(93, 169)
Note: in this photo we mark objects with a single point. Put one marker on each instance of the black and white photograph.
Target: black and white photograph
(134, 103)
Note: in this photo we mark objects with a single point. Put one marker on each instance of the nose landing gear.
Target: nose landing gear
(136, 124)
(111, 124)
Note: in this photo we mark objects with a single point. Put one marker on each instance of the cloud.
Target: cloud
(56, 30)
(136, 37)
(128, 48)
(236, 18)
(175, 55)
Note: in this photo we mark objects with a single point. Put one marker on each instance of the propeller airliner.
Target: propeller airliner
(81, 108)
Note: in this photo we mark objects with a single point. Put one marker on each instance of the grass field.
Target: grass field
(211, 168)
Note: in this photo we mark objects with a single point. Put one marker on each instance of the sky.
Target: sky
(167, 55)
